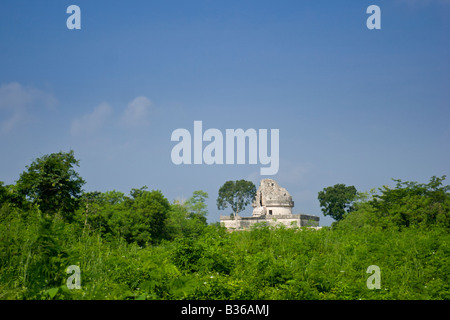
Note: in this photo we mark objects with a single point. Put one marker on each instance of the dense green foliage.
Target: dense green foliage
(140, 246)
(337, 200)
(52, 184)
(236, 195)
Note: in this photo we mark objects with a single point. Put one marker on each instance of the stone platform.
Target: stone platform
(272, 205)
(290, 220)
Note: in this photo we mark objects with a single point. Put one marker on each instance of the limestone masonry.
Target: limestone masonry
(272, 205)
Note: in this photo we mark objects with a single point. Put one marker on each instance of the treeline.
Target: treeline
(141, 246)
(143, 217)
(408, 204)
(52, 189)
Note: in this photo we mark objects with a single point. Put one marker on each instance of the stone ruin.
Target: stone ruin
(272, 200)
(272, 205)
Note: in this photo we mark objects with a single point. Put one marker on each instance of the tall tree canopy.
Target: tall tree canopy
(337, 200)
(236, 194)
(148, 216)
(196, 205)
(52, 183)
(412, 203)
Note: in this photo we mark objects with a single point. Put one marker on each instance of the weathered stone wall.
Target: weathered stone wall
(272, 205)
(279, 211)
(291, 220)
(275, 199)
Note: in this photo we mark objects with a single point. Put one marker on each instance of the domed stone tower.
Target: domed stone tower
(272, 206)
(272, 200)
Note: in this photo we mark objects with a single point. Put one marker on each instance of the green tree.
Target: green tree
(337, 200)
(188, 218)
(107, 212)
(178, 223)
(196, 205)
(414, 203)
(148, 216)
(10, 196)
(236, 194)
(90, 203)
(6, 198)
(52, 183)
(3, 193)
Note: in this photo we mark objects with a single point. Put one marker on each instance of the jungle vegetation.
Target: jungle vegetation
(141, 246)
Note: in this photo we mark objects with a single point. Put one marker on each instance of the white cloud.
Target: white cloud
(137, 113)
(91, 122)
(16, 102)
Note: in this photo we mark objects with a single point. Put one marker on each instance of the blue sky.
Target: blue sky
(353, 105)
